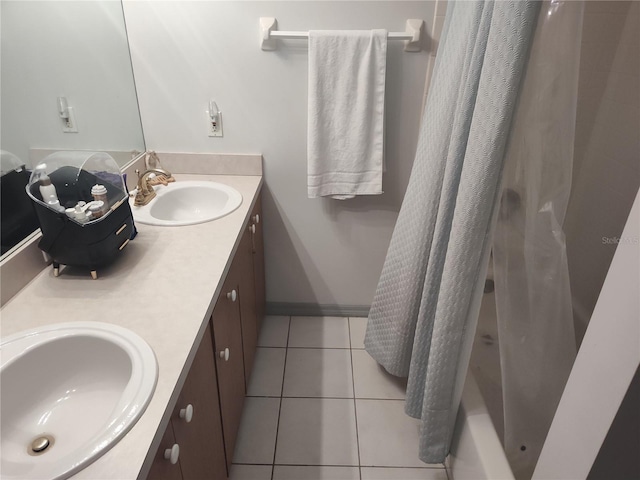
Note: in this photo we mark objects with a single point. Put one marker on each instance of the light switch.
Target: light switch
(65, 112)
(214, 120)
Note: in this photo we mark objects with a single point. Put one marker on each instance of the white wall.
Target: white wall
(606, 166)
(184, 53)
(76, 49)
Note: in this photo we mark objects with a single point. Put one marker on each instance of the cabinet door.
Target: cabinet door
(163, 469)
(227, 334)
(243, 264)
(258, 259)
(196, 419)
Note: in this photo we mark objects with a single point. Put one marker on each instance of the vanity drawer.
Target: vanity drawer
(117, 240)
(92, 245)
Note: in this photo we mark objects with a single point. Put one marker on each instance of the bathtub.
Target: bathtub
(476, 450)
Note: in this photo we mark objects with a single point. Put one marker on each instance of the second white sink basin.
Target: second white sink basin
(188, 203)
(70, 391)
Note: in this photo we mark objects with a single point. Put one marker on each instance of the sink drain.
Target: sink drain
(40, 445)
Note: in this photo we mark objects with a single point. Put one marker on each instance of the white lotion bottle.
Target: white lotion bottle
(48, 189)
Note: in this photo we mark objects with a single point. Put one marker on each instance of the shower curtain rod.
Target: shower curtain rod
(269, 34)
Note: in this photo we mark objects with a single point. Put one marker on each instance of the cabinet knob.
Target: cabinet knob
(252, 228)
(255, 218)
(232, 295)
(172, 454)
(187, 413)
(225, 354)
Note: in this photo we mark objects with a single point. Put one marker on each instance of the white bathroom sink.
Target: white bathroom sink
(78, 387)
(188, 203)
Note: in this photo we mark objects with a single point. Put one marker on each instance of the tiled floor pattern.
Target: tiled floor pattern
(319, 407)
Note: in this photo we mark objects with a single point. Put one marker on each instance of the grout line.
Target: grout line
(263, 396)
(307, 398)
(322, 348)
(316, 465)
(354, 398)
(308, 465)
(284, 370)
(382, 399)
(426, 467)
(355, 408)
(329, 398)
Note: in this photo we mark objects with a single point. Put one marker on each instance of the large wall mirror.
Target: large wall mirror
(58, 55)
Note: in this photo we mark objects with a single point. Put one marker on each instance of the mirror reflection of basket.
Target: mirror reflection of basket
(71, 235)
(16, 210)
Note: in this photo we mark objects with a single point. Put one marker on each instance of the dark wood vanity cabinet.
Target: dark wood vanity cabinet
(195, 426)
(227, 334)
(162, 468)
(243, 263)
(249, 265)
(196, 419)
(214, 391)
(236, 320)
(256, 230)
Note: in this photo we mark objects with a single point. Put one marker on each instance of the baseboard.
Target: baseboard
(316, 310)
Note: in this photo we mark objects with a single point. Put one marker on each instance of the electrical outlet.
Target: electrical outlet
(69, 125)
(214, 130)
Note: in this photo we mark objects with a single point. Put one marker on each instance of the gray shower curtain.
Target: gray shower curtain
(422, 315)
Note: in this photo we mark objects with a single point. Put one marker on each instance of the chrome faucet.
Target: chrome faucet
(145, 192)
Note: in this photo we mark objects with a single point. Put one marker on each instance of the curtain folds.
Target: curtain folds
(422, 314)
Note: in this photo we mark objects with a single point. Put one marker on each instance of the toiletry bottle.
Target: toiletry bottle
(79, 212)
(47, 189)
(96, 208)
(99, 193)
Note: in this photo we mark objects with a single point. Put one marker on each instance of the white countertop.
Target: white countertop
(164, 288)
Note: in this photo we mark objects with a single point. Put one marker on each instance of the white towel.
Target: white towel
(345, 146)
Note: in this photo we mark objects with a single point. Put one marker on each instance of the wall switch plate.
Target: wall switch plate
(217, 130)
(70, 125)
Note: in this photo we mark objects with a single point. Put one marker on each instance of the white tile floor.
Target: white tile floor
(319, 408)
